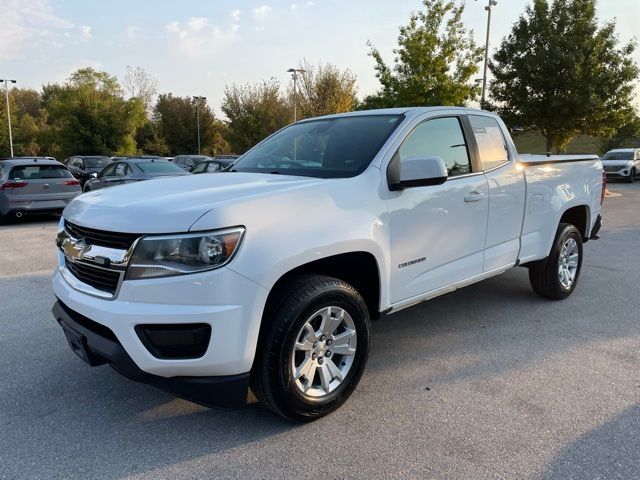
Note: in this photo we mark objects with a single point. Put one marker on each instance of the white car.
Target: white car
(269, 275)
(622, 163)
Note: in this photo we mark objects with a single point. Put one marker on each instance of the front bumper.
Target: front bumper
(97, 345)
(230, 303)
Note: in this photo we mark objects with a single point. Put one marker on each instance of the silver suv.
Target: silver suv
(30, 185)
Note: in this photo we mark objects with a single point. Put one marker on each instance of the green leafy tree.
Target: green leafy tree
(324, 90)
(434, 63)
(254, 112)
(89, 115)
(560, 73)
(176, 123)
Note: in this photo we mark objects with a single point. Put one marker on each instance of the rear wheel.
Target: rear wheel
(313, 348)
(556, 276)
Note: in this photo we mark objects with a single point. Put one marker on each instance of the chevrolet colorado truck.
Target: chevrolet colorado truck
(267, 276)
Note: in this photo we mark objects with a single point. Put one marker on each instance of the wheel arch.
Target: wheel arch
(580, 217)
(359, 269)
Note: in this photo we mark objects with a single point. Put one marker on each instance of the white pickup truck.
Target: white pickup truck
(268, 275)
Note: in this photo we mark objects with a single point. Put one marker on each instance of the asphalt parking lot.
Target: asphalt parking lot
(488, 382)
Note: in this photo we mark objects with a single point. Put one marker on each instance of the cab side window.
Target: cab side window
(199, 168)
(491, 143)
(439, 137)
(121, 170)
(108, 171)
(214, 167)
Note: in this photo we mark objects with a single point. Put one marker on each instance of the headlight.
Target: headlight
(169, 255)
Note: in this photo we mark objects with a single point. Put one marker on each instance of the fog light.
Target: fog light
(175, 341)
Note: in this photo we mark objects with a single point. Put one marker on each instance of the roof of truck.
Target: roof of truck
(623, 150)
(409, 111)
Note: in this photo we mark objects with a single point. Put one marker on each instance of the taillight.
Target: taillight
(13, 185)
(72, 183)
(604, 187)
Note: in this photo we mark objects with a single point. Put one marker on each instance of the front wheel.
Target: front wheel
(313, 348)
(632, 176)
(556, 276)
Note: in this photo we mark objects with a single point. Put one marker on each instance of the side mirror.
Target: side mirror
(418, 172)
(94, 175)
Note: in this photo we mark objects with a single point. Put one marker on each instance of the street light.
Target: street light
(488, 8)
(198, 99)
(6, 93)
(294, 74)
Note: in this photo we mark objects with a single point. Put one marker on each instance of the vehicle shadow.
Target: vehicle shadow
(609, 451)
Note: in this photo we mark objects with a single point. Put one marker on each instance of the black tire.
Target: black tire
(632, 176)
(543, 274)
(86, 189)
(272, 377)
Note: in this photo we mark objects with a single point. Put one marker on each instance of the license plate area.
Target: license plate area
(78, 344)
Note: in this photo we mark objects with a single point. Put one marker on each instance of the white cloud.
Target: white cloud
(261, 11)
(31, 24)
(85, 31)
(259, 28)
(308, 4)
(294, 6)
(198, 36)
(235, 14)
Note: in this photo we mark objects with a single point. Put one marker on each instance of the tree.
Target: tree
(137, 83)
(89, 115)
(434, 62)
(175, 121)
(254, 112)
(324, 90)
(561, 74)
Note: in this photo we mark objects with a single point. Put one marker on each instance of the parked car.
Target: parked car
(270, 276)
(133, 169)
(622, 163)
(83, 166)
(189, 161)
(211, 166)
(32, 185)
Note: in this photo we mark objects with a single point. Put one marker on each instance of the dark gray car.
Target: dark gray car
(133, 169)
(30, 185)
(82, 166)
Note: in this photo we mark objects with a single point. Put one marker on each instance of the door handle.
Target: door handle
(474, 196)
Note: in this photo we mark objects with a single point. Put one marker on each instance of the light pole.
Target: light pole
(488, 8)
(294, 74)
(198, 99)
(6, 94)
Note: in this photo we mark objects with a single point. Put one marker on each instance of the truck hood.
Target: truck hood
(173, 204)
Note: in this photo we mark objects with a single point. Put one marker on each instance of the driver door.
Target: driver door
(437, 232)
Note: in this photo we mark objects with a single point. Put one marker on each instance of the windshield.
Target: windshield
(96, 162)
(326, 148)
(618, 156)
(160, 167)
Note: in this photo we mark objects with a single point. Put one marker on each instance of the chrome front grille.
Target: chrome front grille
(91, 236)
(103, 279)
(95, 261)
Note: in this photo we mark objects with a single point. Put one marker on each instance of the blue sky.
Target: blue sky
(194, 47)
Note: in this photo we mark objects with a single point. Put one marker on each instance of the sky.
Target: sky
(195, 47)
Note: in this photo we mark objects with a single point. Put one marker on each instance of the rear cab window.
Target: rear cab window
(492, 145)
(37, 172)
